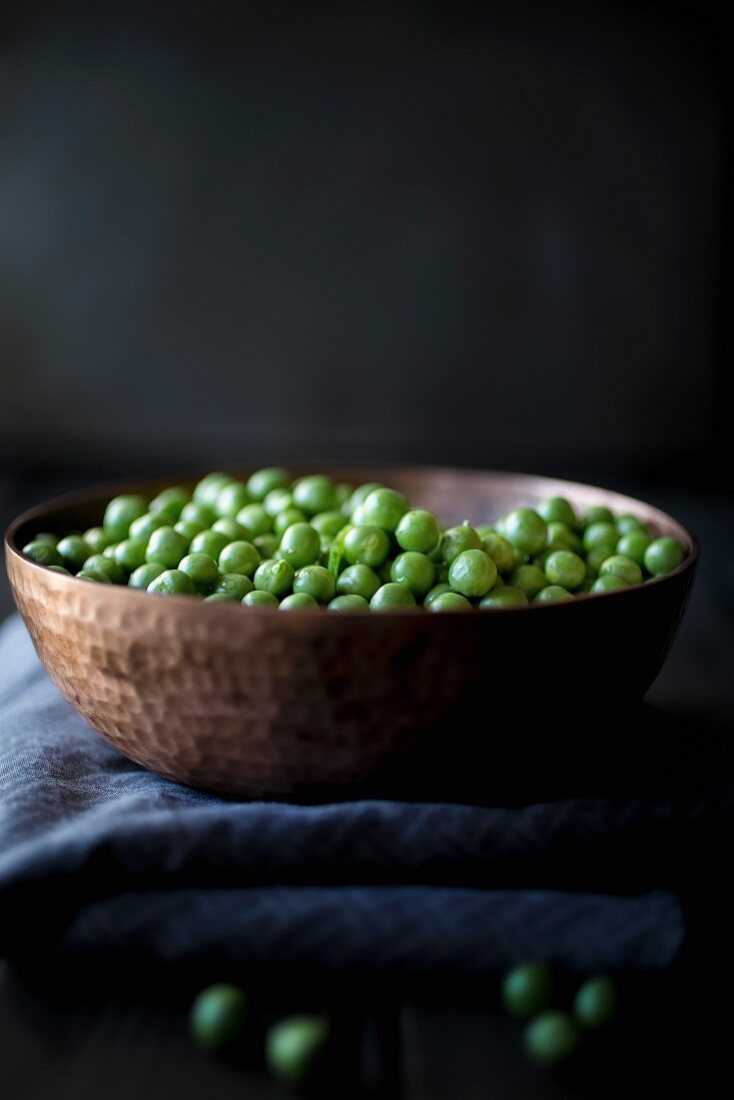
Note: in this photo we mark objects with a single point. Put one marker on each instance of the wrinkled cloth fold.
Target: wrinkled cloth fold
(119, 860)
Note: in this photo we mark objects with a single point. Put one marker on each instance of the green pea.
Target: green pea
(436, 591)
(202, 570)
(557, 510)
(59, 569)
(47, 536)
(551, 1038)
(231, 499)
(93, 575)
(342, 492)
(358, 580)
(663, 556)
(382, 572)
(563, 567)
(144, 574)
(200, 514)
(218, 1016)
(171, 500)
(500, 551)
(167, 546)
(597, 514)
(366, 545)
(221, 597)
(299, 601)
(390, 596)
(275, 576)
(264, 481)
(314, 494)
(188, 528)
(316, 582)
(266, 545)
(552, 593)
(101, 564)
(484, 530)
(442, 572)
(520, 558)
(207, 490)
(231, 528)
(234, 585)
(596, 558)
(96, 539)
(627, 525)
(472, 573)
(595, 1003)
(300, 545)
(258, 598)
(600, 534)
(526, 990)
(276, 501)
(143, 527)
(239, 557)
(172, 582)
(294, 1045)
(255, 520)
(561, 537)
(130, 554)
(418, 530)
(621, 566)
(609, 582)
(348, 602)
(507, 596)
(458, 539)
(328, 524)
(119, 514)
(526, 530)
(209, 542)
(285, 519)
(529, 579)
(415, 570)
(449, 601)
(359, 496)
(383, 508)
(634, 546)
(43, 553)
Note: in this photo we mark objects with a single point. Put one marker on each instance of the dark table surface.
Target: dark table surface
(69, 1032)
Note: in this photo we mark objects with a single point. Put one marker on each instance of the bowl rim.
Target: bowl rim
(118, 486)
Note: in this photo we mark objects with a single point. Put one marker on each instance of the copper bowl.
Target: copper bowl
(258, 704)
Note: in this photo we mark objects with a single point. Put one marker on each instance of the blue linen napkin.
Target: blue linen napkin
(119, 860)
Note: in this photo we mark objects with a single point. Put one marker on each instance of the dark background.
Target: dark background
(492, 234)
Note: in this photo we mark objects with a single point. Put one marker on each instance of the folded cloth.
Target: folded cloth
(119, 860)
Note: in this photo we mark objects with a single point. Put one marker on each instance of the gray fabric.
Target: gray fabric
(119, 860)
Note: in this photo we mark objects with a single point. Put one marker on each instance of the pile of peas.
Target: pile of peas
(551, 1034)
(294, 1045)
(308, 543)
(221, 1014)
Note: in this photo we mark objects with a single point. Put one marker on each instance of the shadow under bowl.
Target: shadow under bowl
(254, 703)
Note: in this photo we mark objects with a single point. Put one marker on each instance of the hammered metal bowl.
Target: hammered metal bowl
(259, 704)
